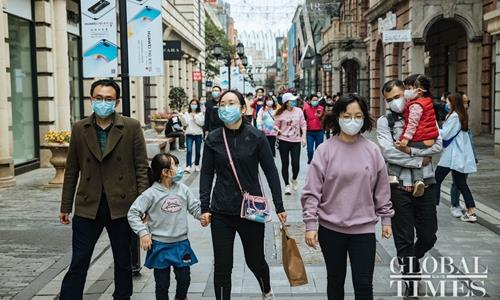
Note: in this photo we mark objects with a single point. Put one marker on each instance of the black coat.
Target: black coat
(212, 120)
(249, 149)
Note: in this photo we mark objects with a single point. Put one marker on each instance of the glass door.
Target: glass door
(24, 120)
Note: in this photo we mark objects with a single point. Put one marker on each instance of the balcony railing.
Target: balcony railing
(344, 30)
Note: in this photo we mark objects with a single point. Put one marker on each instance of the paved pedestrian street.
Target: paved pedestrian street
(35, 250)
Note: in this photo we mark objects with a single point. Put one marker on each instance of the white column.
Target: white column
(474, 64)
(189, 74)
(416, 54)
(61, 76)
(182, 74)
(6, 145)
(496, 116)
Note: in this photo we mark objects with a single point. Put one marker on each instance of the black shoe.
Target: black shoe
(411, 290)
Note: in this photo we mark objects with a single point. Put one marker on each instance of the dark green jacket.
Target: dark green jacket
(122, 170)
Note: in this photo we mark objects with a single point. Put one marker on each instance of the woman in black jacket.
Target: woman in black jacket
(249, 149)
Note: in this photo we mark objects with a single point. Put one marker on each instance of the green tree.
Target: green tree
(213, 36)
(178, 99)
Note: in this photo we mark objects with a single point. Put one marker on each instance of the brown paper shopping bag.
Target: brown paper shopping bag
(292, 261)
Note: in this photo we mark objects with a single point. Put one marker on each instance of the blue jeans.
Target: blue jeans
(197, 139)
(314, 139)
(455, 194)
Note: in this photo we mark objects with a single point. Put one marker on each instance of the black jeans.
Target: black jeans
(460, 182)
(361, 249)
(272, 143)
(86, 232)
(162, 281)
(224, 228)
(412, 215)
(288, 150)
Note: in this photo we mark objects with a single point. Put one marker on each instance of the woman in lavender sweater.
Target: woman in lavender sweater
(346, 192)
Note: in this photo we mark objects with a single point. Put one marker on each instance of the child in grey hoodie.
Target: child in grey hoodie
(164, 234)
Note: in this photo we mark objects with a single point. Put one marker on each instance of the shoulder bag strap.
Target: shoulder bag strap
(231, 159)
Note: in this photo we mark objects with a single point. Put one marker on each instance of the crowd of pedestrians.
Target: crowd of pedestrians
(351, 184)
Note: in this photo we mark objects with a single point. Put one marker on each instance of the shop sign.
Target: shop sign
(327, 67)
(172, 50)
(396, 36)
(208, 83)
(145, 38)
(100, 53)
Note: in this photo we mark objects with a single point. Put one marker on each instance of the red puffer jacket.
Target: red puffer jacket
(427, 127)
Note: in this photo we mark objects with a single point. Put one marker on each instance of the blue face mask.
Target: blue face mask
(103, 109)
(178, 176)
(215, 95)
(447, 108)
(314, 103)
(293, 103)
(194, 107)
(230, 114)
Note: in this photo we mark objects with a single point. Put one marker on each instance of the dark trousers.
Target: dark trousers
(314, 139)
(361, 248)
(196, 139)
(412, 215)
(162, 281)
(86, 232)
(224, 229)
(288, 150)
(135, 251)
(455, 194)
(460, 182)
(272, 143)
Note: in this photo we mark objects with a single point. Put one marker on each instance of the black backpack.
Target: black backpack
(392, 118)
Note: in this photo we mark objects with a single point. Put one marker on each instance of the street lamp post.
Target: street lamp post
(240, 50)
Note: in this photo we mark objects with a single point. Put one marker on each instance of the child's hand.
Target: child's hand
(205, 219)
(386, 231)
(403, 143)
(146, 242)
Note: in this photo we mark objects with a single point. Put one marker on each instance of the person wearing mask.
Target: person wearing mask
(458, 155)
(346, 193)
(257, 104)
(106, 169)
(195, 120)
(414, 216)
(456, 209)
(212, 120)
(421, 128)
(249, 111)
(221, 204)
(313, 113)
(291, 128)
(265, 122)
(175, 129)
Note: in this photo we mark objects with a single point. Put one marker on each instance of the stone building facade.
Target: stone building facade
(43, 88)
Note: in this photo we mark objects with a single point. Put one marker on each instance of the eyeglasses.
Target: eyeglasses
(103, 99)
(357, 118)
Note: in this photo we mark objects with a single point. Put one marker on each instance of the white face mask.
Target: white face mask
(410, 94)
(269, 103)
(350, 126)
(397, 105)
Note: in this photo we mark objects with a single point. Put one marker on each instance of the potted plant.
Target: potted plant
(178, 99)
(159, 119)
(57, 141)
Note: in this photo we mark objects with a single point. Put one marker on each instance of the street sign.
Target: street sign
(209, 83)
(396, 36)
(327, 67)
(172, 50)
(197, 75)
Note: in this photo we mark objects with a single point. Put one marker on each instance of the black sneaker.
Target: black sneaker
(411, 290)
(136, 271)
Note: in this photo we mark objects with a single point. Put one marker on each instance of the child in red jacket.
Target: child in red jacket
(420, 129)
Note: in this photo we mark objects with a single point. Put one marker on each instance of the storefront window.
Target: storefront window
(75, 94)
(21, 82)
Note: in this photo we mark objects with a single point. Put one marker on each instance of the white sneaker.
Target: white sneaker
(187, 170)
(468, 217)
(456, 211)
(288, 191)
(197, 168)
(295, 184)
(268, 296)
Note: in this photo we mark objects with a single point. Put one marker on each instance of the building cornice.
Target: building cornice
(380, 9)
(492, 22)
